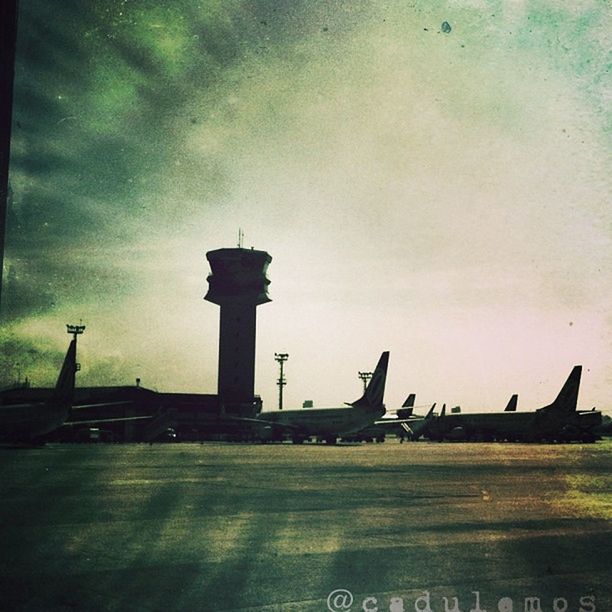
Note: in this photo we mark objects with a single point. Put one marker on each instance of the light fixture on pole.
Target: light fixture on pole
(365, 377)
(281, 382)
(75, 330)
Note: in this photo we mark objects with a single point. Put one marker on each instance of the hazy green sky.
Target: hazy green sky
(442, 195)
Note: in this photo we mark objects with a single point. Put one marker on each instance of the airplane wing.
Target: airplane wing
(102, 421)
(412, 419)
(255, 421)
(102, 405)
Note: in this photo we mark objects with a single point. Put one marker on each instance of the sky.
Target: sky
(431, 178)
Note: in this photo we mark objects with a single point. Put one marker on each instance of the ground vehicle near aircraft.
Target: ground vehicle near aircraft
(327, 424)
(30, 421)
(559, 421)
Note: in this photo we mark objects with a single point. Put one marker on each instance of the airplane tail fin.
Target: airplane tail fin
(567, 400)
(374, 393)
(63, 393)
(407, 408)
(443, 412)
(511, 407)
(409, 403)
(417, 429)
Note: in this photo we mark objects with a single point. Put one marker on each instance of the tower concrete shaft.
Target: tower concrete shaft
(238, 284)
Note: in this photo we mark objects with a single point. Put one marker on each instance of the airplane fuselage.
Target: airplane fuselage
(323, 421)
(29, 420)
(513, 426)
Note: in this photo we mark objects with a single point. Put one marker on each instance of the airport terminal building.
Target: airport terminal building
(237, 284)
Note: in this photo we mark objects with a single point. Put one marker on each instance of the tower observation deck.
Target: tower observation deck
(238, 284)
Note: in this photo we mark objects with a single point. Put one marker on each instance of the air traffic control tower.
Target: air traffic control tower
(238, 284)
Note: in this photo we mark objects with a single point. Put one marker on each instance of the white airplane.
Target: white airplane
(327, 423)
(26, 422)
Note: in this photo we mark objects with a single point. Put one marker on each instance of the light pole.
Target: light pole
(365, 377)
(281, 382)
(75, 330)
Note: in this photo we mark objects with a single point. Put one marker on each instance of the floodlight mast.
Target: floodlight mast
(75, 330)
(281, 382)
(365, 377)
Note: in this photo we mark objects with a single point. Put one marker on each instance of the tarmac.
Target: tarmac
(501, 527)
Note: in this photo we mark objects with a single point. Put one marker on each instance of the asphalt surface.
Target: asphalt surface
(280, 527)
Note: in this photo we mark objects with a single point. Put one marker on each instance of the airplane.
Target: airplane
(30, 421)
(421, 426)
(559, 421)
(327, 423)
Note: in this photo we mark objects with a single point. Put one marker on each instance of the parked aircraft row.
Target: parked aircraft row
(363, 419)
(558, 421)
(31, 421)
